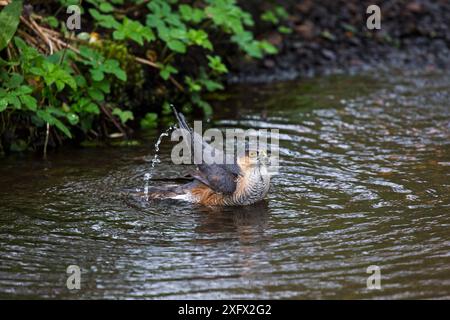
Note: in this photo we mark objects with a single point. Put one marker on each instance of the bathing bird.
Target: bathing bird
(243, 182)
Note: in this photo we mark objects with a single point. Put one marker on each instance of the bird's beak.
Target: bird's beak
(263, 158)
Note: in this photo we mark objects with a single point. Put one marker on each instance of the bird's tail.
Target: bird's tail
(181, 120)
(170, 191)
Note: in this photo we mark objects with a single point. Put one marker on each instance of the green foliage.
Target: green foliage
(9, 20)
(149, 121)
(276, 16)
(124, 115)
(80, 90)
(133, 30)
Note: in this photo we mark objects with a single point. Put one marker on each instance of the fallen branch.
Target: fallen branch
(111, 117)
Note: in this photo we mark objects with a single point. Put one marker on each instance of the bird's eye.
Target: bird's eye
(252, 154)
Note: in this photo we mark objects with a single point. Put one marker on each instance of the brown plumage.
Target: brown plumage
(242, 183)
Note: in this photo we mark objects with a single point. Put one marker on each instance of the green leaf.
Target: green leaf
(96, 94)
(285, 30)
(177, 46)
(52, 21)
(215, 63)
(24, 90)
(29, 101)
(133, 30)
(104, 20)
(194, 86)
(124, 115)
(14, 100)
(149, 121)
(199, 38)
(269, 16)
(166, 71)
(97, 75)
(3, 104)
(267, 47)
(106, 7)
(48, 117)
(73, 118)
(62, 127)
(191, 14)
(15, 80)
(112, 66)
(103, 85)
(91, 108)
(9, 21)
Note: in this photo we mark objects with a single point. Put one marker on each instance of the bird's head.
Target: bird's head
(253, 159)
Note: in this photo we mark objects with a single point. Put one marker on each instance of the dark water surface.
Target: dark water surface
(364, 180)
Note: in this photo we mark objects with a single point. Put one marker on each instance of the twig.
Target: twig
(111, 117)
(127, 10)
(47, 133)
(36, 29)
(154, 65)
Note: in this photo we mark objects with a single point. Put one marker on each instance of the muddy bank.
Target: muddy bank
(332, 37)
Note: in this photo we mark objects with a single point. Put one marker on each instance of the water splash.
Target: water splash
(155, 160)
(146, 178)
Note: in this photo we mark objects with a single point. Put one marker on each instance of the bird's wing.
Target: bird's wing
(219, 177)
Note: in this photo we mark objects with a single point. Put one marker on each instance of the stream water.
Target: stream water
(364, 180)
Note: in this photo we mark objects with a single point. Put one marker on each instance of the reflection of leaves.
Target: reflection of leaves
(9, 20)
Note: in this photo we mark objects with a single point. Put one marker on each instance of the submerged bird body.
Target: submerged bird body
(245, 182)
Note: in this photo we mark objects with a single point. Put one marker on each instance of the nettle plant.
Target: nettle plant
(79, 82)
